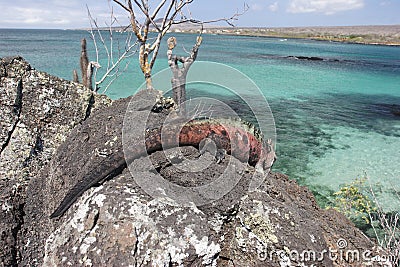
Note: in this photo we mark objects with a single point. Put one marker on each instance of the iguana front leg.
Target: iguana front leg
(208, 145)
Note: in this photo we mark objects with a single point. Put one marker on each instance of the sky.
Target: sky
(67, 14)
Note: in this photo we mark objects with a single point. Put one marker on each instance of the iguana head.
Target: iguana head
(267, 158)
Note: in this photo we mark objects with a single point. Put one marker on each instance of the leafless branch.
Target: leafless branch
(115, 55)
(228, 20)
(390, 224)
(149, 48)
(198, 109)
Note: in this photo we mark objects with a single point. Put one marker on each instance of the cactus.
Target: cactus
(84, 61)
(75, 76)
(86, 66)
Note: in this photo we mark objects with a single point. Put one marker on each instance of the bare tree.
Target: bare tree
(178, 80)
(149, 47)
(115, 52)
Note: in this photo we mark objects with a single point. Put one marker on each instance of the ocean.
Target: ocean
(333, 103)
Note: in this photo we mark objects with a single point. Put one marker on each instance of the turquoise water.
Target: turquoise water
(333, 116)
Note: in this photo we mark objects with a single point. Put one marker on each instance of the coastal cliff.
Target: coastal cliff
(53, 130)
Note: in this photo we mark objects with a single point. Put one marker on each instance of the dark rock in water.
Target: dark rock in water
(306, 58)
(395, 111)
(386, 109)
(120, 224)
(311, 58)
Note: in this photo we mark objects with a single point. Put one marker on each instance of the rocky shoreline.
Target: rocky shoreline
(52, 130)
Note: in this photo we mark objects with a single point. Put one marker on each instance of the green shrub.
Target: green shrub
(360, 204)
(352, 201)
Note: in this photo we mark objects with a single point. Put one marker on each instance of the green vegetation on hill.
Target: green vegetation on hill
(384, 35)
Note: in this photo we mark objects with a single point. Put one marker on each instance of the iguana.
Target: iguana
(238, 138)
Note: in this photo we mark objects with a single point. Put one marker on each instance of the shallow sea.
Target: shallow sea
(333, 117)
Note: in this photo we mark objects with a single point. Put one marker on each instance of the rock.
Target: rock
(306, 58)
(139, 230)
(119, 223)
(395, 110)
(37, 112)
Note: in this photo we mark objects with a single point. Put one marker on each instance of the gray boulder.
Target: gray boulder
(120, 223)
(37, 112)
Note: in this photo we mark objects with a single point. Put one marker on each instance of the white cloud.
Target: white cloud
(274, 7)
(327, 7)
(39, 15)
(56, 14)
(256, 7)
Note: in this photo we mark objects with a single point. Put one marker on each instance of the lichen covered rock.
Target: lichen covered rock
(118, 222)
(138, 230)
(37, 112)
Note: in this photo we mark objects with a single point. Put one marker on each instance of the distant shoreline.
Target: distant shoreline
(388, 35)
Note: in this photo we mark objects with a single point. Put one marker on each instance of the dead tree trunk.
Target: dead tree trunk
(174, 14)
(178, 80)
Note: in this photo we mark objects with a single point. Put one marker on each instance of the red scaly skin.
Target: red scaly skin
(237, 139)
